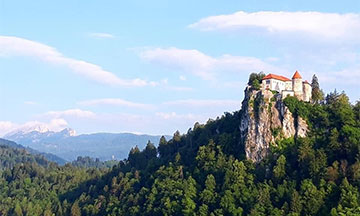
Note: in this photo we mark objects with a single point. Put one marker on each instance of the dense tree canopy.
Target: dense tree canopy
(255, 80)
(205, 172)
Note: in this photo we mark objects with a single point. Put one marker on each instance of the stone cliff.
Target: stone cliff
(265, 119)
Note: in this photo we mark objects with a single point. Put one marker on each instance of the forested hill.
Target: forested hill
(205, 172)
(32, 152)
(10, 156)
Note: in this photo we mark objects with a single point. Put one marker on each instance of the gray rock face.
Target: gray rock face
(265, 119)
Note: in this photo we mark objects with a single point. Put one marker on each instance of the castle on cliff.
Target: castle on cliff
(288, 87)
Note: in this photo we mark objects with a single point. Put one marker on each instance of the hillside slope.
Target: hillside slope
(47, 156)
(206, 172)
(10, 156)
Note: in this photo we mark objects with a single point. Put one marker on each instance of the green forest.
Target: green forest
(204, 172)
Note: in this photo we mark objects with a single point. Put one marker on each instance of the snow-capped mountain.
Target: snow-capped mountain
(66, 144)
(40, 128)
(38, 133)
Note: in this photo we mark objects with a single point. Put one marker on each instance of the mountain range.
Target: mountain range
(67, 145)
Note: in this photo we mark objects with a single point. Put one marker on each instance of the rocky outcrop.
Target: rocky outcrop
(265, 119)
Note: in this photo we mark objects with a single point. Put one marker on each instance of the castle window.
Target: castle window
(267, 81)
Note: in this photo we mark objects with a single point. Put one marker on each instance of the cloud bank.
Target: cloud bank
(202, 65)
(15, 46)
(324, 25)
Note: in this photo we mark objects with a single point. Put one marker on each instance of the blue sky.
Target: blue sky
(158, 66)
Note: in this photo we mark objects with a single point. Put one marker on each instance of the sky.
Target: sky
(155, 67)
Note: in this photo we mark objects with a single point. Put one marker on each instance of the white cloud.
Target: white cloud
(57, 124)
(6, 127)
(204, 103)
(77, 113)
(116, 102)
(101, 35)
(349, 76)
(204, 66)
(188, 60)
(324, 25)
(15, 46)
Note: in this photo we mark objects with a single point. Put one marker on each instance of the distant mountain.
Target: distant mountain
(12, 153)
(38, 134)
(67, 145)
(28, 129)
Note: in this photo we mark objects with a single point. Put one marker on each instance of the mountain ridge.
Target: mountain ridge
(48, 156)
(67, 145)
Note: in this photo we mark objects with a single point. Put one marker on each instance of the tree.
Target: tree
(188, 202)
(256, 84)
(228, 204)
(255, 80)
(279, 169)
(203, 210)
(208, 195)
(312, 198)
(136, 158)
(18, 211)
(48, 212)
(349, 200)
(163, 147)
(177, 136)
(316, 94)
(75, 209)
(150, 151)
(296, 203)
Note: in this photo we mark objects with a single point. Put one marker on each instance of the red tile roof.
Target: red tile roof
(296, 75)
(278, 77)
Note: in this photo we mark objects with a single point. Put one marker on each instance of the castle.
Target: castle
(288, 87)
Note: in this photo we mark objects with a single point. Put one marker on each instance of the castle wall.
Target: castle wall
(286, 93)
(264, 85)
(288, 85)
(307, 92)
(274, 84)
(298, 88)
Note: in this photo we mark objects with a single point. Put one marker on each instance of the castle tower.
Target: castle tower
(297, 85)
(307, 91)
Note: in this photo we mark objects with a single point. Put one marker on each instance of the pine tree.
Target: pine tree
(208, 195)
(279, 169)
(316, 94)
(188, 202)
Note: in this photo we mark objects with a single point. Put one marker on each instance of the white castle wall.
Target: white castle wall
(298, 88)
(274, 84)
(307, 92)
